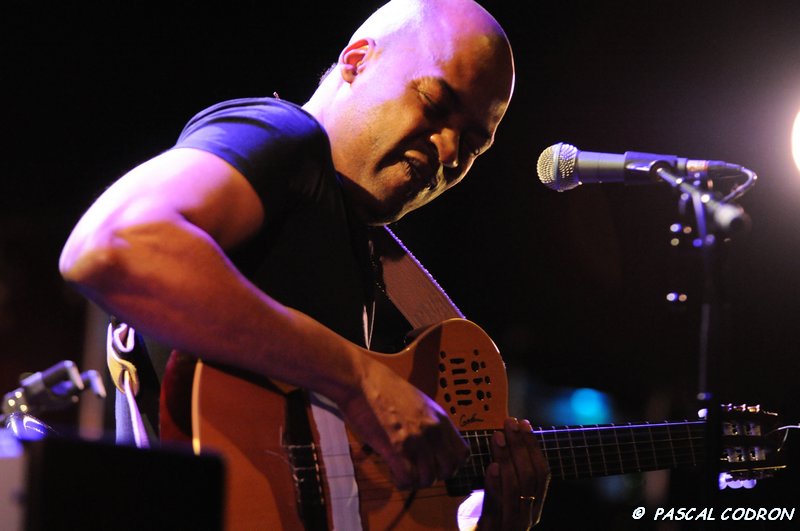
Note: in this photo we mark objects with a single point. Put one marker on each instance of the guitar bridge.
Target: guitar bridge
(298, 443)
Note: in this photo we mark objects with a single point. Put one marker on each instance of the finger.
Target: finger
(492, 512)
(518, 437)
(437, 453)
(403, 472)
(454, 451)
(542, 471)
(508, 478)
(538, 459)
(422, 454)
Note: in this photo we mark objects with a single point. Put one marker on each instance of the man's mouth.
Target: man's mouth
(420, 173)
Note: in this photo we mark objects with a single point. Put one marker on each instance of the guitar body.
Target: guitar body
(249, 421)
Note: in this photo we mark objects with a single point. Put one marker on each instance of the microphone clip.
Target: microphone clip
(52, 389)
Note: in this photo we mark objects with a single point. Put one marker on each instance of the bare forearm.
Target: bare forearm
(172, 281)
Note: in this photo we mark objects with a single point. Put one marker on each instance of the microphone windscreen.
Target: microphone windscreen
(556, 167)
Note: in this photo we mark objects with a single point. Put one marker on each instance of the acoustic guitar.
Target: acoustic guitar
(294, 466)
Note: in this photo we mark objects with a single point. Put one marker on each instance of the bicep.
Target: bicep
(177, 185)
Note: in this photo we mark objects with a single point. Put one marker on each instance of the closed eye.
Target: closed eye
(433, 108)
(440, 104)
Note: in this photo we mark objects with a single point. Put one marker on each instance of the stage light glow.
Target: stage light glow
(590, 406)
(581, 406)
(796, 141)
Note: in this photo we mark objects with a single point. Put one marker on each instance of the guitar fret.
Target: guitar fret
(602, 454)
(691, 446)
(561, 458)
(475, 459)
(652, 444)
(556, 458)
(588, 455)
(596, 446)
(671, 447)
(543, 445)
(644, 443)
(619, 451)
(572, 452)
(484, 452)
(663, 447)
(635, 451)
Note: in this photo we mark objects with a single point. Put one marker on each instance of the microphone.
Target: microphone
(563, 167)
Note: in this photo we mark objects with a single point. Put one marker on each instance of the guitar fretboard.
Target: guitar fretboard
(575, 452)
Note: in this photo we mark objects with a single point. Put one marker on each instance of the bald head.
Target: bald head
(416, 97)
(399, 16)
(435, 26)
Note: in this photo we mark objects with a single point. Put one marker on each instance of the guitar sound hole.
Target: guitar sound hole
(465, 380)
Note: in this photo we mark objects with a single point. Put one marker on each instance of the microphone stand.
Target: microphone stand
(715, 218)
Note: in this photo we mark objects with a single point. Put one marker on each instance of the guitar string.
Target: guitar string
(477, 463)
(627, 456)
(568, 443)
(380, 482)
(477, 458)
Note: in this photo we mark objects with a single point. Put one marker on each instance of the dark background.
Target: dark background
(571, 286)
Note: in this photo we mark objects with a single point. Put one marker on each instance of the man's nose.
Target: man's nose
(446, 142)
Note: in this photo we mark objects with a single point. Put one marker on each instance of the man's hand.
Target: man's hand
(406, 427)
(517, 480)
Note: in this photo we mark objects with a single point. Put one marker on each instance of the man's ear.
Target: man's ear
(352, 59)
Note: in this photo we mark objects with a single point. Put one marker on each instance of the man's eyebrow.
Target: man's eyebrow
(456, 101)
(449, 91)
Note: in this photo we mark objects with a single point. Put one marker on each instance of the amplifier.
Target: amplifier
(61, 483)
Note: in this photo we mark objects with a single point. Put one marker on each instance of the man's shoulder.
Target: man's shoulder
(258, 133)
(266, 112)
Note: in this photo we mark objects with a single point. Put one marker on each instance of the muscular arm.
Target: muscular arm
(151, 250)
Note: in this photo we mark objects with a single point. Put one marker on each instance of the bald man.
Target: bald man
(246, 244)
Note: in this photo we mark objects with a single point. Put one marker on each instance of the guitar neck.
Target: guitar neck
(576, 452)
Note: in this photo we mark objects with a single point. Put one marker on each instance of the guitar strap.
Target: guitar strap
(122, 356)
(409, 286)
